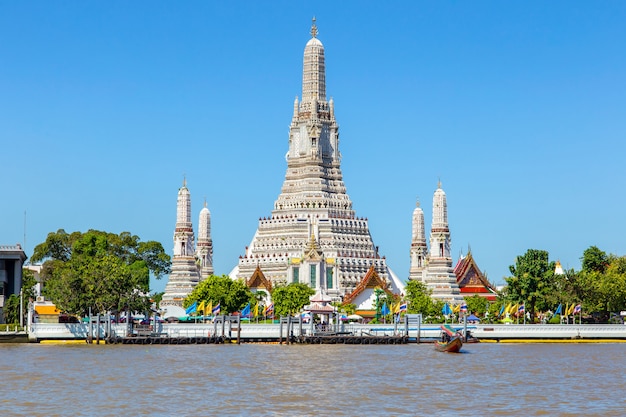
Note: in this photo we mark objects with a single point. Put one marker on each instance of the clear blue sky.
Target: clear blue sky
(518, 107)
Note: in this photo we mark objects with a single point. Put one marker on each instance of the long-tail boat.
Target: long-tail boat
(451, 340)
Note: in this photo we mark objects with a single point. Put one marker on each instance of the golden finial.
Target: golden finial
(438, 182)
(184, 180)
(204, 201)
(313, 28)
(417, 202)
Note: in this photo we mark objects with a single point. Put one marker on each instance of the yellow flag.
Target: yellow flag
(571, 309)
(256, 310)
(209, 309)
(200, 308)
(507, 309)
(457, 308)
(395, 308)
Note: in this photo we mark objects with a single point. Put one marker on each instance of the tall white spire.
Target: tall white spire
(314, 70)
(183, 233)
(314, 133)
(419, 249)
(184, 276)
(439, 275)
(440, 240)
(204, 251)
(313, 205)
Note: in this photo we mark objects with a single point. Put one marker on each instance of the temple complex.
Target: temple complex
(186, 271)
(434, 267)
(313, 235)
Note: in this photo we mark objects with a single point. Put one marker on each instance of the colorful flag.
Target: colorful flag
(384, 310)
(456, 308)
(577, 309)
(216, 310)
(571, 309)
(269, 310)
(559, 310)
(501, 310)
(201, 307)
(395, 308)
(208, 309)
(245, 313)
(446, 310)
(521, 309)
(507, 310)
(463, 308)
(256, 310)
(192, 308)
(403, 307)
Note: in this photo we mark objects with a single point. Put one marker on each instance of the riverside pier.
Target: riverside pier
(290, 330)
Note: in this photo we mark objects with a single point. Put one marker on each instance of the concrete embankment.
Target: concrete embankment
(269, 333)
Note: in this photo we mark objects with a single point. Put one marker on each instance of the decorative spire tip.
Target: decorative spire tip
(314, 28)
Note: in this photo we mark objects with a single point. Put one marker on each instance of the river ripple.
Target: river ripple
(312, 380)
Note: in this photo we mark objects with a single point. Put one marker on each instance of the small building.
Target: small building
(471, 280)
(46, 312)
(364, 295)
(12, 259)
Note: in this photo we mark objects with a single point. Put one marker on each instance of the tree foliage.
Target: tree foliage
(419, 300)
(291, 298)
(532, 280)
(594, 260)
(99, 270)
(477, 305)
(232, 295)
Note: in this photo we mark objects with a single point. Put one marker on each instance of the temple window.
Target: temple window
(296, 274)
(313, 276)
(329, 278)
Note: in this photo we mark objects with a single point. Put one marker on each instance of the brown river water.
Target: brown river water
(313, 380)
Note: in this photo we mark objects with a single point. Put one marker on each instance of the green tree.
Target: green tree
(11, 309)
(605, 292)
(477, 305)
(532, 280)
(594, 260)
(233, 295)
(99, 270)
(290, 299)
(419, 300)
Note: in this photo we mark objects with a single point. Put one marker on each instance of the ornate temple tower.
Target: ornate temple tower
(204, 248)
(313, 235)
(184, 276)
(419, 249)
(439, 275)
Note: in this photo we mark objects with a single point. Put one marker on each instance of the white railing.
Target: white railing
(40, 331)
